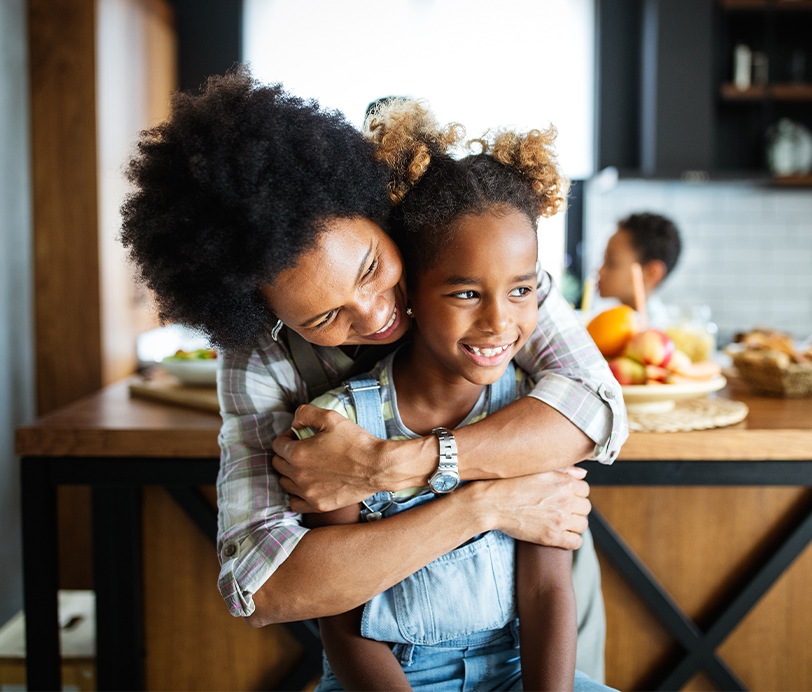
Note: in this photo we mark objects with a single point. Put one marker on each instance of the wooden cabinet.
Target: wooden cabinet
(667, 102)
(774, 38)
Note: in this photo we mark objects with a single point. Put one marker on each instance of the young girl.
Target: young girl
(468, 232)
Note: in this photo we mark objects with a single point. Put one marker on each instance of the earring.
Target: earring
(410, 312)
(276, 329)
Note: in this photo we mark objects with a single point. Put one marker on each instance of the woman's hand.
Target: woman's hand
(547, 508)
(341, 465)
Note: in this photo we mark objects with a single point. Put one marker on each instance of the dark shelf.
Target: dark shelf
(776, 92)
(761, 5)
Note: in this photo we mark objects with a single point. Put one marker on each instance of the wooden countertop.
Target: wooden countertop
(112, 423)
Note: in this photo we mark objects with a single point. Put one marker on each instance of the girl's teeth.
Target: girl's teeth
(488, 352)
(389, 323)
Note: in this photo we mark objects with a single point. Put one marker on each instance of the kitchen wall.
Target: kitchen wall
(747, 247)
(16, 340)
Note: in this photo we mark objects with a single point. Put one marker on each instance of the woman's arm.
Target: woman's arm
(547, 617)
(366, 559)
(358, 663)
(575, 412)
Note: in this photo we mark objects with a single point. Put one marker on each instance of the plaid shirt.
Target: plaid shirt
(260, 388)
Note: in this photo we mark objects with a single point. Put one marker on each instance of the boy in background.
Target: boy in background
(651, 240)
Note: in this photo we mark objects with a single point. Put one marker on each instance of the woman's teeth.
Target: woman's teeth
(489, 352)
(390, 322)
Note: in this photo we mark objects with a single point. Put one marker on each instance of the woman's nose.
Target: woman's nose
(372, 313)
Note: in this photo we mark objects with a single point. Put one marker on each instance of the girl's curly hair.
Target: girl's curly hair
(231, 190)
(432, 189)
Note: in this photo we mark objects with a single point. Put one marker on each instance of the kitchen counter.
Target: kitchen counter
(118, 444)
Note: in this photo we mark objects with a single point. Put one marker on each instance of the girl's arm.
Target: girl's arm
(358, 663)
(547, 617)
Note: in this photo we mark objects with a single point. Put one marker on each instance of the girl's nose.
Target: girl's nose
(495, 316)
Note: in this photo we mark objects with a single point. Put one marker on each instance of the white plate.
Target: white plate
(195, 372)
(659, 398)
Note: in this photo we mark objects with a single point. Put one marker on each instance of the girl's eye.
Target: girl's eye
(327, 318)
(521, 292)
(464, 295)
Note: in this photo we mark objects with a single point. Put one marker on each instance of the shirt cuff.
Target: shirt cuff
(243, 573)
(600, 416)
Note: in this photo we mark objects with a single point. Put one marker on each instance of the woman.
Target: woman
(253, 209)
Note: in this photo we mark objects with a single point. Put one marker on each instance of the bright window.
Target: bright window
(516, 63)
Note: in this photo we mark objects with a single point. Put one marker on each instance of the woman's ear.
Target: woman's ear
(654, 272)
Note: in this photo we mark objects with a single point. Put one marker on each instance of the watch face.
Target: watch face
(444, 483)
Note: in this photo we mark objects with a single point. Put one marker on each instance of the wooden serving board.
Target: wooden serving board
(169, 390)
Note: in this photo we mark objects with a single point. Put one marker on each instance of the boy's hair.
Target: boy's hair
(654, 237)
(231, 190)
(431, 190)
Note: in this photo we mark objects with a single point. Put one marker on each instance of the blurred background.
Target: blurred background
(664, 106)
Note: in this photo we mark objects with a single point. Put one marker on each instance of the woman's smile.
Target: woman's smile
(349, 289)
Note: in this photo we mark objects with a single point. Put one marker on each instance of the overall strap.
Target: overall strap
(503, 391)
(308, 364)
(366, 396)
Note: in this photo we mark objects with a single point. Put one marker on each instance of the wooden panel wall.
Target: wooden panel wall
(66, 250)
(66, 266)
(697, 541)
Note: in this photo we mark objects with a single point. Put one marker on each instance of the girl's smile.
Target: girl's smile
(349, 289)
(476, 306)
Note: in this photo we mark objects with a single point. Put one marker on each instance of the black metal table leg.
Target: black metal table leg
(118, 581)
(660, 603)
(40, 575)
(757, 586)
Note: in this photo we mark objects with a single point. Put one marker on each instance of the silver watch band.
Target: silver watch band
(448, 447)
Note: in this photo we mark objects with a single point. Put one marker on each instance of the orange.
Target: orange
(612, 329)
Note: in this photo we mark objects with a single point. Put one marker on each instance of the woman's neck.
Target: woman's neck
(428, 395)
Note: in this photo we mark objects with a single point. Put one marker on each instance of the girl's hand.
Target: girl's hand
(341, 465)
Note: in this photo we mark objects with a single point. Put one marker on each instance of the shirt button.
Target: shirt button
(606, 392)
(230, 550)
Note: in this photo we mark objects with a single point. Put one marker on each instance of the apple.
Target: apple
(680, 362)
(650, 347)
(628, 371)
(656, 374)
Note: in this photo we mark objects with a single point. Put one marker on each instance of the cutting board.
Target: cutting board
(170, 390)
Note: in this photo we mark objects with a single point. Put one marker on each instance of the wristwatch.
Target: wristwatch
(447, 476)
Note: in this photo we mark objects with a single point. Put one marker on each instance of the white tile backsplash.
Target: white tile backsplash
(747, 249)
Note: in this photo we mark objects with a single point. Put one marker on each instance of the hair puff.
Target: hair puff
(407, 137)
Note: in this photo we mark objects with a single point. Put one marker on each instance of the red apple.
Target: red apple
(650, 347)
(654, 373)
(627, 371)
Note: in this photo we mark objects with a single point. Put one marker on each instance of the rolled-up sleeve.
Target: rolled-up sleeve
(257, 531)
(572, 376)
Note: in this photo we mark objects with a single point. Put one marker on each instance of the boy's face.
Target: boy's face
(477, 306)
(615, 274)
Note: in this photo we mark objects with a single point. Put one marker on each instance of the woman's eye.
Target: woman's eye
(327, 318)
(464, 295)
(372, 267)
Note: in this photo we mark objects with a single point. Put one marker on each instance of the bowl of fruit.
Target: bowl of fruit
(654, 374)
(197, 368)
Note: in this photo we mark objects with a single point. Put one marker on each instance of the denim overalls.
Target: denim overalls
(453, 623)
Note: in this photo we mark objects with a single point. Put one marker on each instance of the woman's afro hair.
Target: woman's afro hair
(231, 190)
(432, 189)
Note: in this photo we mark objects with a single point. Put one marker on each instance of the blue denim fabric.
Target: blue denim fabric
(485, 661)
